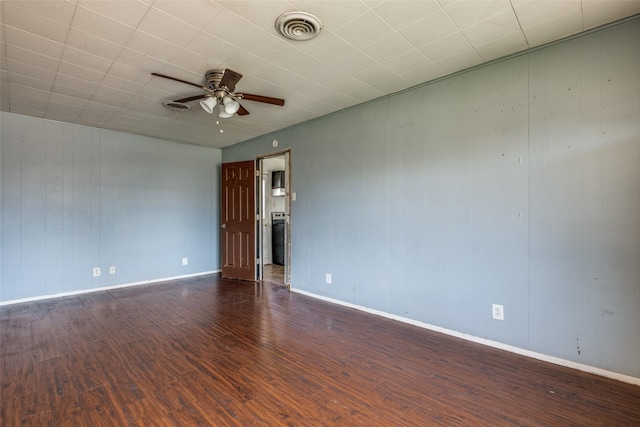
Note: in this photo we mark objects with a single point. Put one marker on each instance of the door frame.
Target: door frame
(287, 201)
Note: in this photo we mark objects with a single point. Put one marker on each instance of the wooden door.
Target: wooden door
(238, 221)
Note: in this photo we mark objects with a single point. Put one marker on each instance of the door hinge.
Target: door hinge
(257, 217)
(257, 172)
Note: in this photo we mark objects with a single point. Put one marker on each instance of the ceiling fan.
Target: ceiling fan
(219, 90)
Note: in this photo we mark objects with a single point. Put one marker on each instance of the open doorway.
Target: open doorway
(274, 235)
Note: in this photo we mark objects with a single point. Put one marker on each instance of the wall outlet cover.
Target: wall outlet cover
(497, 311)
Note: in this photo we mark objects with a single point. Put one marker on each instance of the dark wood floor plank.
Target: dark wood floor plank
(208, 351)
(101, 407)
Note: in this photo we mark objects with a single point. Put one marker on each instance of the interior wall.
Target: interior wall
(517, 184)
(75, 198)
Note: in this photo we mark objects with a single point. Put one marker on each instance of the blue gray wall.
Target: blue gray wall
(516, 184)
(75, 198)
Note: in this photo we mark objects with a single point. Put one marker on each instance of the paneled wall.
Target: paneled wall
(75, 198)
(517, 183)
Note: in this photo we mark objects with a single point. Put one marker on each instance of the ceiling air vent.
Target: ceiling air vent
(172, 105)
(298, 25)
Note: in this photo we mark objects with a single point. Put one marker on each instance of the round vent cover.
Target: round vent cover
(172, 105)
(298, 25)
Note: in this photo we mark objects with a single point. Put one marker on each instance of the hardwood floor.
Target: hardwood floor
(207, 351)
(273, 274)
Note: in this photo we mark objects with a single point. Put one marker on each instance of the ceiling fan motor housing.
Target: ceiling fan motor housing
(213, 78)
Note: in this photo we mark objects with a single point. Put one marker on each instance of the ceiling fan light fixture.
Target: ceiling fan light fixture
(223, 114)
(208, 104)
(231, 106)
(298, 26)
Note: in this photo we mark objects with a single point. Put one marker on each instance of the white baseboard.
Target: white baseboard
(517, 350)
(105, 288)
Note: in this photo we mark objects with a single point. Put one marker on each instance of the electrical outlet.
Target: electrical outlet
(328, 278)
(112, 269)
(498, 311)
(185, 261)
(96, 272)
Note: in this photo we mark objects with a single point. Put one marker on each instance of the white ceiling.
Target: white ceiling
(90, 62)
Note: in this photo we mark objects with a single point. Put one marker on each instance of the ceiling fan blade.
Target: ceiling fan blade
(242, 111)
(260, 98)
(229, 79)
(190, 98)
(181, 81)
